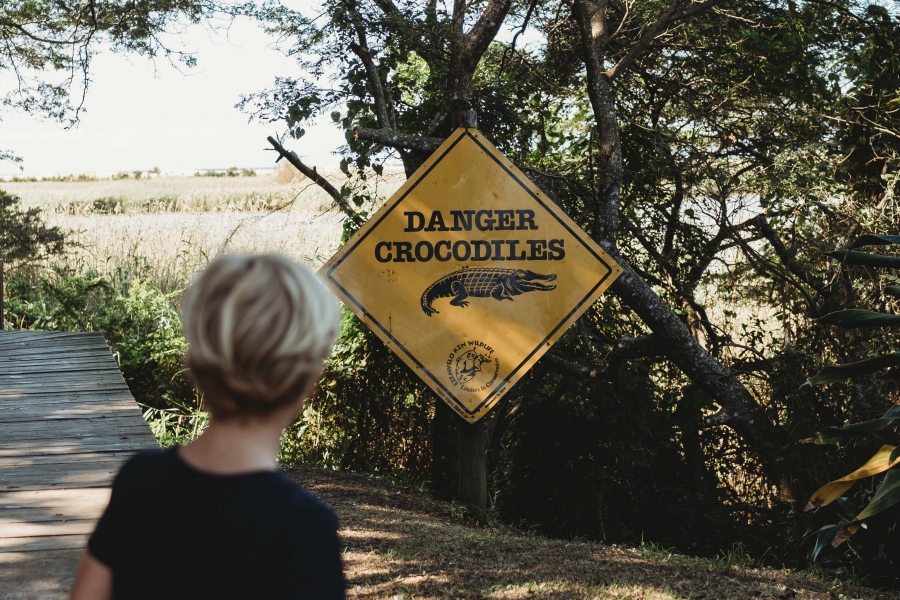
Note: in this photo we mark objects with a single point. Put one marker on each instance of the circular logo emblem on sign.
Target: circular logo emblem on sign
(472, 366)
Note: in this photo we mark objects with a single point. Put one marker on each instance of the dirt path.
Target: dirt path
(399, 544)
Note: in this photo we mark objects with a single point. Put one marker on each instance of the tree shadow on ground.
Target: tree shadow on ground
(401, 544)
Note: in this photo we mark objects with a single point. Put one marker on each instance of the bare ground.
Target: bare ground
(401, 544)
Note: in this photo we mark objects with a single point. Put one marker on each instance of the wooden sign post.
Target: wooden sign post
(469, 273)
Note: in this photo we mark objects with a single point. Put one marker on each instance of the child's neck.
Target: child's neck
(237, 445)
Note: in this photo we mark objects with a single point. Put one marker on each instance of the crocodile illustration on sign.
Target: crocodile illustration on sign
(499, 284)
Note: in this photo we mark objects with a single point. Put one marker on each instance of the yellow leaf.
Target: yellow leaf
(833, 490)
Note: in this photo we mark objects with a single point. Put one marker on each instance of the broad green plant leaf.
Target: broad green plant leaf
(833, 490)
(859, 318)
(853, 257)
(826, 535)
(833, 435)
(875, 240)
(893, 290)
(863, 367)
(888, 494)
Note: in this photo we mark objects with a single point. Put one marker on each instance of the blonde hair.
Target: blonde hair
(257, 328)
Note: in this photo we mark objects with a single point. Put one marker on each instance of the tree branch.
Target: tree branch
(484, 31)
(669, 16)
(389, 137)
(625, 349)
(381, 111)
(591, 26)
(313, 175)
(362, 51)
(645, 40)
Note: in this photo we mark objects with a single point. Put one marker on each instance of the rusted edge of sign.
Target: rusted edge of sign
(384, 333)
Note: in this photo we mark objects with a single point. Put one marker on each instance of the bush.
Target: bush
(368, 413)
(23, 234)
(140, 323)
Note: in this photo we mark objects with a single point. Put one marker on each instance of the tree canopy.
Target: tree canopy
(46, 47)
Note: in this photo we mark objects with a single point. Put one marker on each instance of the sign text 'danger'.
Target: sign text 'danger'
(469, 273)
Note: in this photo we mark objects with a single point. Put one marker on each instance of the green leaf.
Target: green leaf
(888, 494)
(893, 290)
(845, 508)
(826, 534)
(831, 435)
(894, 455)
(893, 411)
(335, 116)
(859, 318)
(852, 257)
(863, 367)
(875, 240)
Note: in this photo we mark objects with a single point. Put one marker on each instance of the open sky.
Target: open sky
(140, 115)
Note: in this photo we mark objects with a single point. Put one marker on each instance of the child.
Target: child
(215, 519)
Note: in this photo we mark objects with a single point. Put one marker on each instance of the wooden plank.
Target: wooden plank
(65, 459)
(111, 374)
(85, 426)
(94, 373)
(69, 499)
(45, 528)
(52, 344)
(16, 405)
(61, 367)
(19, 358)
(45, 507)
(80, 385)
(69, 410)
(41, 480)
(41, 544)
(67, 424)
(52, 394)
(96, 444)
(20, 355)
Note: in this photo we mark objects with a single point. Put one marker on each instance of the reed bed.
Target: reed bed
(164, 228)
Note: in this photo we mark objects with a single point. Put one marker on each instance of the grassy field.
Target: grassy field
(165, 228)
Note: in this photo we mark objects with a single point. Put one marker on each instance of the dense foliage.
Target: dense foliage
(719, 148)
(24, 237)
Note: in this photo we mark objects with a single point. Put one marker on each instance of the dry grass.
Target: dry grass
(165, 228)
(169, 248)
(400, 544)
(167, 194)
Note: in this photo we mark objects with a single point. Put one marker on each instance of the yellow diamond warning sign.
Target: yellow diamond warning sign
(469, 273)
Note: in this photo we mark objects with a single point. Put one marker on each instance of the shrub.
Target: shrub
(23, 234)
(140, 323)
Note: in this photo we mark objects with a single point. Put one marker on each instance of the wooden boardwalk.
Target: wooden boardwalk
(67, 422)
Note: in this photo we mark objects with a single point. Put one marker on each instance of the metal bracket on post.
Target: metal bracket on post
(465, 117)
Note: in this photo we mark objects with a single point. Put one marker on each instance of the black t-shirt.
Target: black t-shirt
(171, 532)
